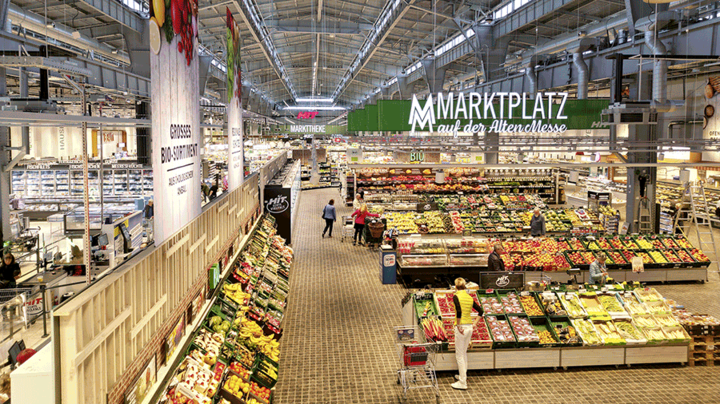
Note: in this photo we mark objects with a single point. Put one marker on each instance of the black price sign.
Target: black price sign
(426, 206)
(502, 280)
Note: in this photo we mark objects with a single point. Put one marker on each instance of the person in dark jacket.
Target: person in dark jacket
(329, 216)
(537, 224)
(495, 262)
(149, 210)
(213, 191)
(9, 271)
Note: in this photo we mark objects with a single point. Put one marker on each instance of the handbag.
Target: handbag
(322, 215)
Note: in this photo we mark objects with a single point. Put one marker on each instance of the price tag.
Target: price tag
(524, 293)
(582, 290)
(489, 291)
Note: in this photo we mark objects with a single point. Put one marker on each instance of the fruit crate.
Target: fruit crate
(527, 303)
(592, 306)
(629, 242)
(497, 308)
(543, 324)
(510, 342)
(657, 252)
(676, 334)
(522, 343)
(619, 260)
(607, 301)
(260, 376)
(702, 331)
(510, 299)
(420, 305)
(569, 253)
(559, 323)
(631, 334)
(696, 263)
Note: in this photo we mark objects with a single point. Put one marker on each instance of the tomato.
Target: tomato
(176, 15)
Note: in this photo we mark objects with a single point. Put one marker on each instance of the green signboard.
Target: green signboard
(394, 116)
(310, 129)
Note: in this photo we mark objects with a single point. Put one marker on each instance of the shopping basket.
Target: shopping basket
(415, 356)
(376, 229)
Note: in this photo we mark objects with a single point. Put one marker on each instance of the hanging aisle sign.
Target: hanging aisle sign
(174, 74)
(236, 155)
(502, 112)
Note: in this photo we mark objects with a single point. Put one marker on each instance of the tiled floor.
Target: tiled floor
(337, 346)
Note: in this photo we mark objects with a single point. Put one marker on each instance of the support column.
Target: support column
(5, 233)
(385, 92)
(492, 142)
(204, 67)
(639, 177)
(403, 87)
(435, 76)
(492, 51)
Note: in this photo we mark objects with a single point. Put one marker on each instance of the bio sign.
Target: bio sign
(236, 155)
(174, 72)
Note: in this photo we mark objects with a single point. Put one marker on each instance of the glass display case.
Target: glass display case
(449, 250)
(75, 219)
(409, 261)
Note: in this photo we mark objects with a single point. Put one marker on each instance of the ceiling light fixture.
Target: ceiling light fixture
(314, 100)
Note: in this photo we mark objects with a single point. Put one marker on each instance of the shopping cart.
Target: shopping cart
(416, 361)
(347, 228)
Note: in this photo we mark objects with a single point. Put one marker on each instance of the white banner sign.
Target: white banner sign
(236, 172)
(175, 126)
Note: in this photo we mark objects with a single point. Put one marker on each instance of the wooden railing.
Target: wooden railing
(103, 336)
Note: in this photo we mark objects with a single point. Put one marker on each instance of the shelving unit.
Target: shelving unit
(59, 187)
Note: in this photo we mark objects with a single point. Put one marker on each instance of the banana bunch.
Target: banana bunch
(234, 292)
(270, 347)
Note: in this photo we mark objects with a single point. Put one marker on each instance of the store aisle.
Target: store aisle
(337, 346)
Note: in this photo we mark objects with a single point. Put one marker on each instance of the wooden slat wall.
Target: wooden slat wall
(103, 329)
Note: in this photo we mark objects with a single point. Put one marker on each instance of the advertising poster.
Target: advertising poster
(175, 115)
(711, 114)
(236, 173)
(146, 379)
(173, 340)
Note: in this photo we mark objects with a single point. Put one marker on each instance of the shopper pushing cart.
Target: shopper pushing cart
(417, 362)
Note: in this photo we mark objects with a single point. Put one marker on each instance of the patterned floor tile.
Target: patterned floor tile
(337, 345)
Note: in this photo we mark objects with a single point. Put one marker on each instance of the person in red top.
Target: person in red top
(360, 216)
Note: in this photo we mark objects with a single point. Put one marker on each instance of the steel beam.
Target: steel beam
(311, 27)
(118, 12)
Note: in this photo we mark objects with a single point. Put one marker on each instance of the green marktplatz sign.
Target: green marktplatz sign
(551, 113)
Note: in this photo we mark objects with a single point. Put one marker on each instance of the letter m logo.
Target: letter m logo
(421, 116)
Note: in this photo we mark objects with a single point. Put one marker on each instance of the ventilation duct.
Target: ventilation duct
(61, 33)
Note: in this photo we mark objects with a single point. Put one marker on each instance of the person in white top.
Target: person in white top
(357, 202)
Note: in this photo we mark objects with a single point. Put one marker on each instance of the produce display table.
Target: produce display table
(567, 357)
(649, 275)
(559, 327)
(430, 273)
